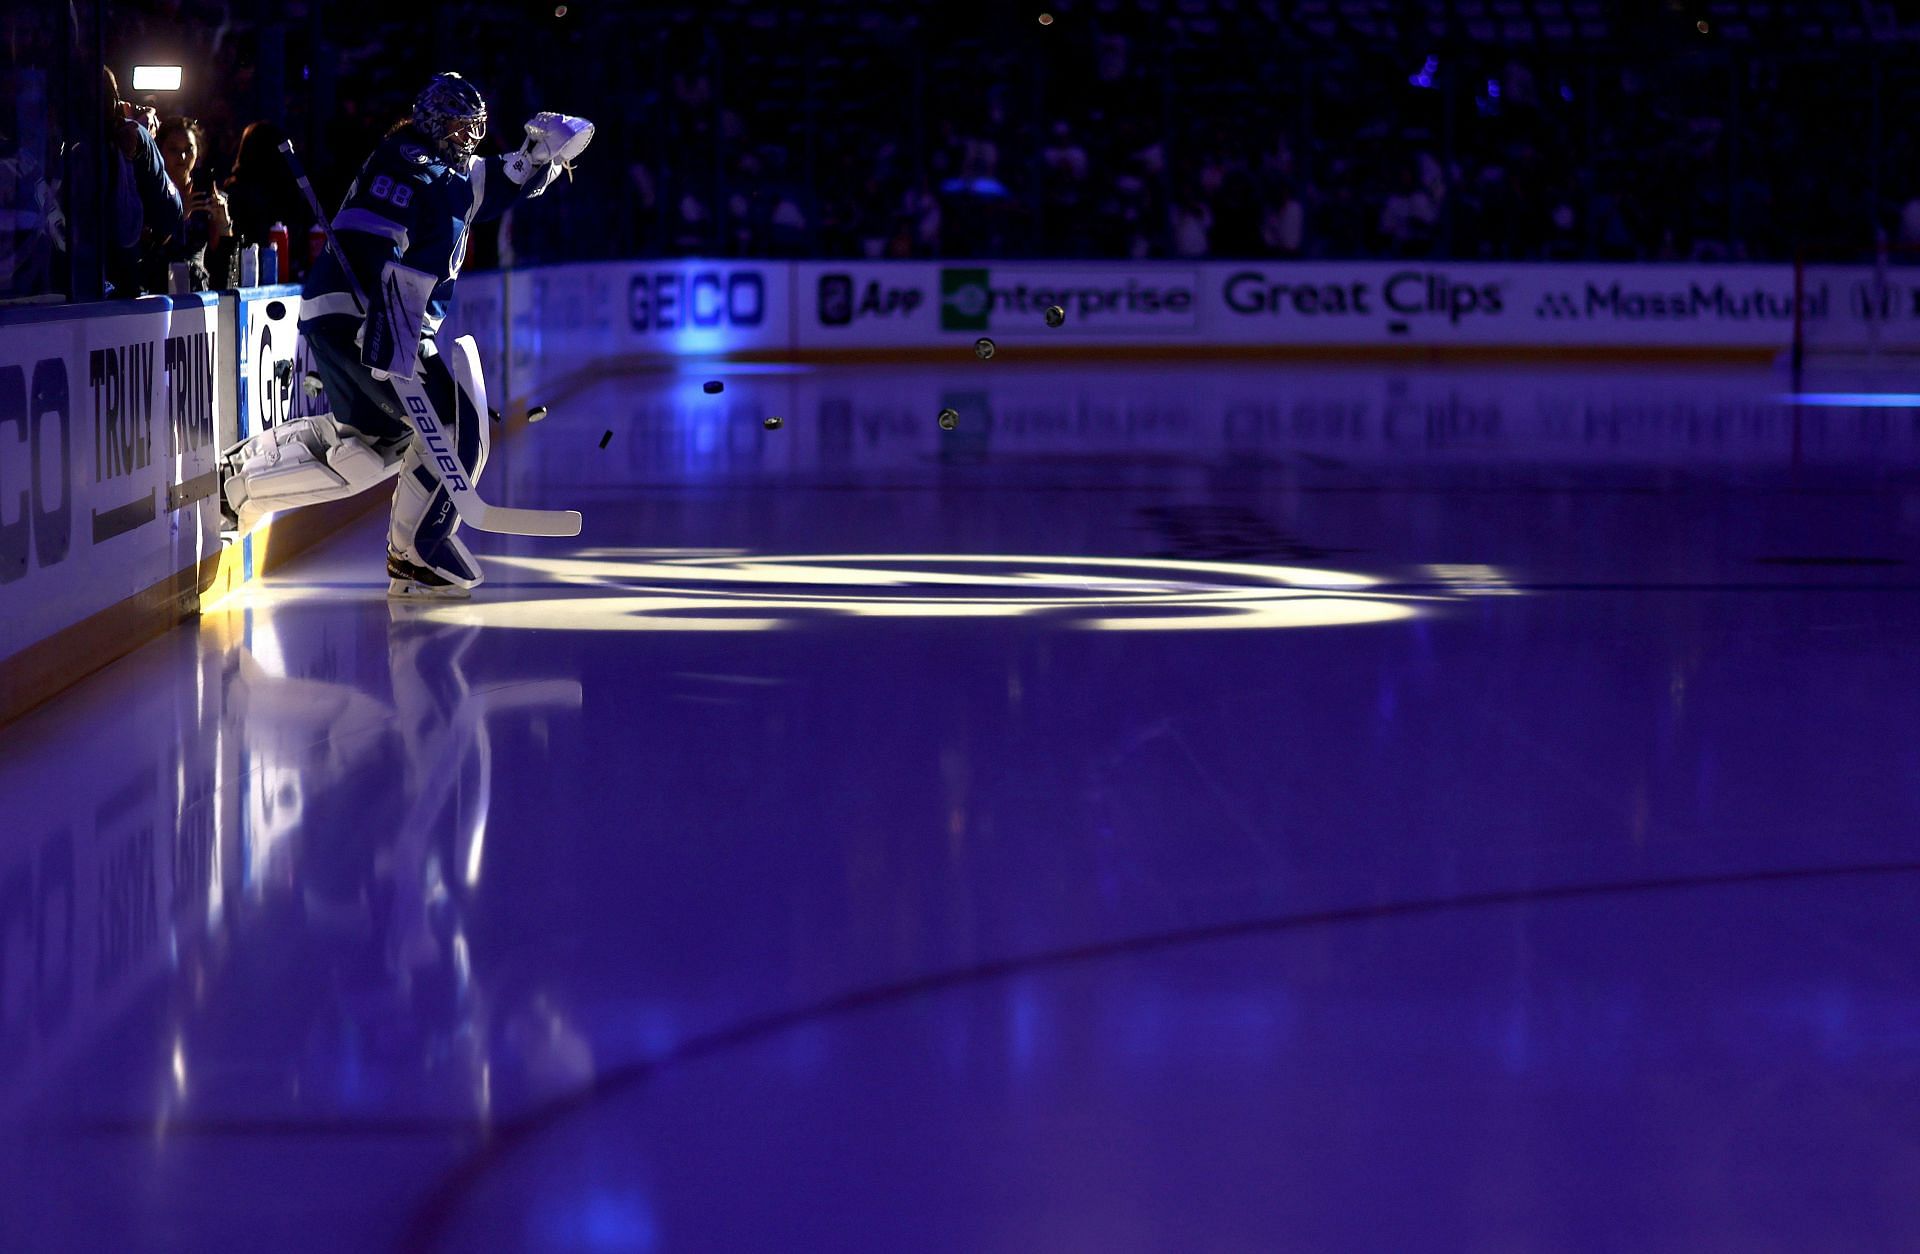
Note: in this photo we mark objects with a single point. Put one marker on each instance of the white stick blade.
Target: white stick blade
(524, 522)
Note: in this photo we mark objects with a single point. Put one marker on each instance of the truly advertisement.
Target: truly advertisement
(108, 433)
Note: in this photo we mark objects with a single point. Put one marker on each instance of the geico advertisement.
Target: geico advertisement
(107, 432)
(275, 363)
(560, 318)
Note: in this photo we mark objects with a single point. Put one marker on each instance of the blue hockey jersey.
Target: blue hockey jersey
(409, 205)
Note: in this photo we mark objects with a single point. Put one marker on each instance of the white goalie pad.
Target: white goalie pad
(301, 462)
(397, 320)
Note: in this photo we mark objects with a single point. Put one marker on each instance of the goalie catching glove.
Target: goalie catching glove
(553, 141)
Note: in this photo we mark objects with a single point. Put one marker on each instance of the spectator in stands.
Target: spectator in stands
(144, 209)
(1065, 162)
(1074, 155)
(205, 241)
(1910, 224)
(1283, 227)
(1236, 216)
(259, 191)
(32, 228)
(692, 233)
(1408, 219)
(1192, 222)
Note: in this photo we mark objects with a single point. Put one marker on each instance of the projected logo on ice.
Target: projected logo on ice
(679, 590)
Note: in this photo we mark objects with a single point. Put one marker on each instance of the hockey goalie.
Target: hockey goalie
(370, 309)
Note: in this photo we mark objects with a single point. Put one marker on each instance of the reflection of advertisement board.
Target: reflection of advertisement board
(104, 888)
(109, 422)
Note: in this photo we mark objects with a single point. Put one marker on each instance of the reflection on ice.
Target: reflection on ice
(336, 812)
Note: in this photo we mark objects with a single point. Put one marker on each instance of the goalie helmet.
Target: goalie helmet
(452, 114)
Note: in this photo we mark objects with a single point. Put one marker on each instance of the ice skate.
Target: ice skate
(412, 582)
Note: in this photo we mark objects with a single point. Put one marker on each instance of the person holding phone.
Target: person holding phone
(144, 208)
(205, 239)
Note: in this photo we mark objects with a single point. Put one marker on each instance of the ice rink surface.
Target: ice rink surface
(1186, 808)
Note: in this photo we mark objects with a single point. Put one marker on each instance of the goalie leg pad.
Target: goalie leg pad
(300, 462)
(424, 521)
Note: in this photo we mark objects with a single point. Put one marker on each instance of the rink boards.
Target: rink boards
(112, 415)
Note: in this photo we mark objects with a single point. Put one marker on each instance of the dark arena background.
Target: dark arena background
(1101, 625)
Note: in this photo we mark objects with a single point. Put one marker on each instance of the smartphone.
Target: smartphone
(201, 180)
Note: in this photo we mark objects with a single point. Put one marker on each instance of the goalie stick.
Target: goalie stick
(467, 502)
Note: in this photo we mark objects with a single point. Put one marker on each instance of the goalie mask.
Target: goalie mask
(452, 114)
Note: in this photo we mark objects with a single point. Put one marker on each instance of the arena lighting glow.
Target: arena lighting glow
(1853, 400)
(737, 592)
(156, 78)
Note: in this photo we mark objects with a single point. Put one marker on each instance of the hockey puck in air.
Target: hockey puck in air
(713, 385)
(536, 413)
(949, 419)
(606, 439)
(771, 424)
(984, 348)
(1055, 315)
